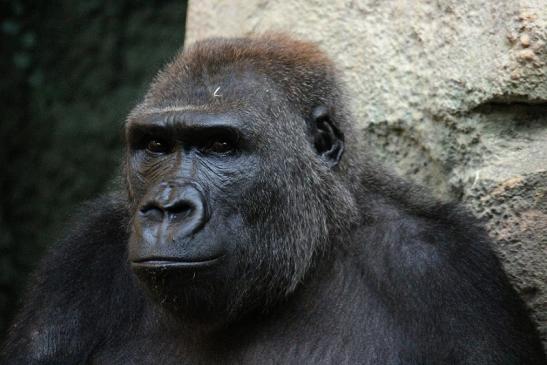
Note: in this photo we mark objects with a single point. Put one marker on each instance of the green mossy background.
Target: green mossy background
(71, 71)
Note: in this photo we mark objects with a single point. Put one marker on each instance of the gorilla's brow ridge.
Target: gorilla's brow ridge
(183, 108)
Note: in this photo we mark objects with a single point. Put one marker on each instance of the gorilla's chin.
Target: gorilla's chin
(210, 294)
(190, 291)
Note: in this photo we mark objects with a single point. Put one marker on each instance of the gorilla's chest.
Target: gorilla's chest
(290, 350)
(323, 336)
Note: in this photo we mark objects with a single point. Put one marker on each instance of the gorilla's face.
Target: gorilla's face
(231, 205)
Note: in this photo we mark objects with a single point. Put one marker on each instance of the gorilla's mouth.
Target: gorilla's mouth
(176, 262)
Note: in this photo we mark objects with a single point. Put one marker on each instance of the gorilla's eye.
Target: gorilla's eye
(219, 146)
(157, 146)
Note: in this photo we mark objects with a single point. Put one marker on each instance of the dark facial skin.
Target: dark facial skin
(181, 162)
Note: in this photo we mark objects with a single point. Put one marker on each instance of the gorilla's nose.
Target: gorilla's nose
(179, 209)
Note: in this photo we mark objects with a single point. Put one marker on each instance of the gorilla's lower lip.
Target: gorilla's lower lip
(175, 263)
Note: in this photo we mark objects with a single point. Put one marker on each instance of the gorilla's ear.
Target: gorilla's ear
(327, 139)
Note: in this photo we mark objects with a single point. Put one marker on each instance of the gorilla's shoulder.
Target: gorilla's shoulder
(407, 223)
(391, 201)
(69, 302)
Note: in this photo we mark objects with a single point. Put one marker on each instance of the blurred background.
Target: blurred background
(71, 71)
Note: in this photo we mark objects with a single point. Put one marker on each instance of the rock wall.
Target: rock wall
(452, 94)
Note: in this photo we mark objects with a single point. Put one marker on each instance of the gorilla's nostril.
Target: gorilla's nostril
(179, 209)
(152, 212)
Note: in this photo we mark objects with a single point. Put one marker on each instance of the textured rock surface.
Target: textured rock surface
(452, 93)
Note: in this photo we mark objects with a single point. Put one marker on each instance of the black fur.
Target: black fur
(324, 257)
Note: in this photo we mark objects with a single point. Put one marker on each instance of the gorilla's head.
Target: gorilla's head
(237, 175)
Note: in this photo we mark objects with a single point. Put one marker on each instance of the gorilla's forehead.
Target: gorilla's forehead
(226, 87)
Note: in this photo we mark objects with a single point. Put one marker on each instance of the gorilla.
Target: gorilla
(255, 229)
